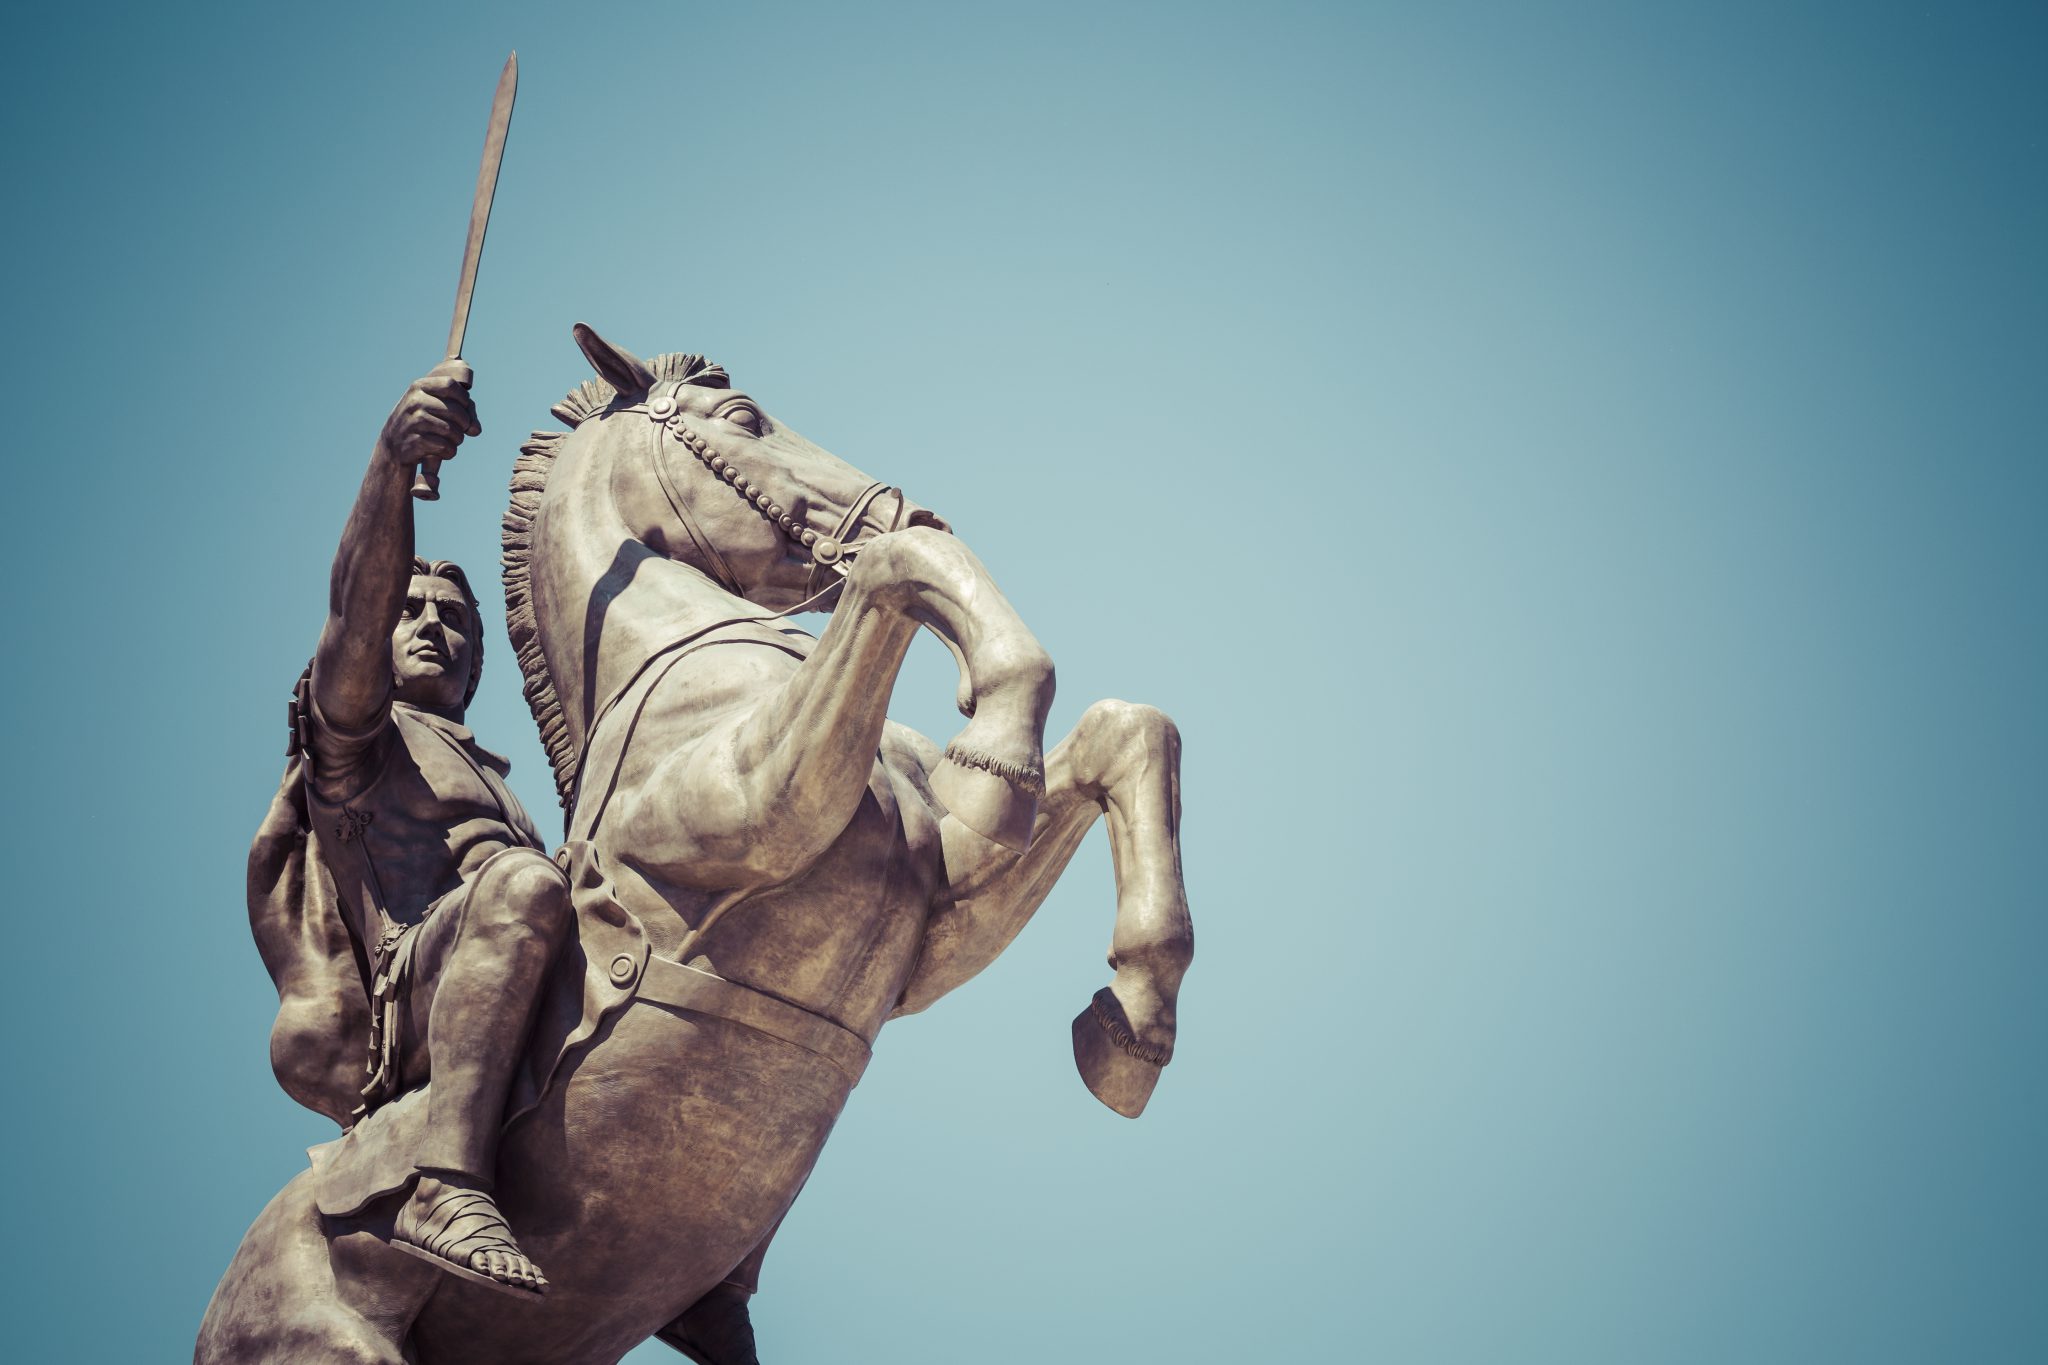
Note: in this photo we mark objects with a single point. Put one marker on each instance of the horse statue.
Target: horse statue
(780, 868)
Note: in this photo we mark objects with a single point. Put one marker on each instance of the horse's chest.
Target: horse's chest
(842, 936)
(887, 864)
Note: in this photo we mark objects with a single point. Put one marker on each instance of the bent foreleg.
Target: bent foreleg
(993, 774)
(759, 802)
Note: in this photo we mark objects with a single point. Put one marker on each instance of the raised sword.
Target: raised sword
(426, 484)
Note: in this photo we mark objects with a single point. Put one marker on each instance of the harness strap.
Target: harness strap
(842, 536)
(704, 544)
(672, 654)
(669, 652)
(663, 982)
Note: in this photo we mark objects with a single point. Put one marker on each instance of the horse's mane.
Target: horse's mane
(529, 483)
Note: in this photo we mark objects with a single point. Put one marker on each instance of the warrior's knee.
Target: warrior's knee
(522, 898)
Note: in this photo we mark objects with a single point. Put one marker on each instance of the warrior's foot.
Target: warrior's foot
(717, 1329)
(455, 1225)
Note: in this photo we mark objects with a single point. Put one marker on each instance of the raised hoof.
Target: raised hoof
(991, 805)
(1113, 1071)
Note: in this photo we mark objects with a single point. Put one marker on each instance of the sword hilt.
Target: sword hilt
(426, 479)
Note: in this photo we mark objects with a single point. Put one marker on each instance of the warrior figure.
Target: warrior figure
(442, 880)
(403, 898)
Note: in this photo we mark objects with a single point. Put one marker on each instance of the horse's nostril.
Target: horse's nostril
(922, 517)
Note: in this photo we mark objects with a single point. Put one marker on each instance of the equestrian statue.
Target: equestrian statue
(580, 1088)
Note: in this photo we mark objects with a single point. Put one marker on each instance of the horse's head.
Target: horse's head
(730, 491)
(667, 465)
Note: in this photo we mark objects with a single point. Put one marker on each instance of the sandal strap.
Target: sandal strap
(461, 1224)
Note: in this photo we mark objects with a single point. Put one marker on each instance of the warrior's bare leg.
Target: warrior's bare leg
(1122, 760)
(479, 973)
(798, 763)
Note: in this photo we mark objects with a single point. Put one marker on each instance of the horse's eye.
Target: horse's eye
(745, 416)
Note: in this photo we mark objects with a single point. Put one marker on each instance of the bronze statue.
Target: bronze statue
(632, 1052)
(762, 869)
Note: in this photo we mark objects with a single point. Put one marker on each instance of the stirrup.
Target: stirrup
(442, 1246)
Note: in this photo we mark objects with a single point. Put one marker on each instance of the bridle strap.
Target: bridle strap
(843, 565)
(709, 551)
(831, 551)
(665, 414)
(673, 652)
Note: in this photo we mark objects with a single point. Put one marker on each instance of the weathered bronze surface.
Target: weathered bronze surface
(426, 486)
(581, 1088)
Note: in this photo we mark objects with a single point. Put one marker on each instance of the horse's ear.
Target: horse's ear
(616, 365)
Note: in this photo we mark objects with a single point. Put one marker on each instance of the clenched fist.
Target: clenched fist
(432, 418)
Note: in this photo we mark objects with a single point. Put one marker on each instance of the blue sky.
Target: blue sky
(1574, 472)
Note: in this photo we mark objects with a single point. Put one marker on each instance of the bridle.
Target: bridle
(834, 550)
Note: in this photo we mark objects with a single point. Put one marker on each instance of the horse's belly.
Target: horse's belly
(642, 1180)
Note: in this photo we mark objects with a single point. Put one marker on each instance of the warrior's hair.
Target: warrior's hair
(442, 568)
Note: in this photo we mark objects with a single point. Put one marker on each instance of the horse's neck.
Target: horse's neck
(608, 601)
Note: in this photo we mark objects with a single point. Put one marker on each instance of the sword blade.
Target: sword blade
(486, 190)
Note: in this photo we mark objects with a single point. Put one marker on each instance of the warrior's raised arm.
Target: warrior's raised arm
(366, 596)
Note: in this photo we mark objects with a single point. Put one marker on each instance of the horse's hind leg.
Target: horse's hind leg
(285, 1298)
(1122, 761)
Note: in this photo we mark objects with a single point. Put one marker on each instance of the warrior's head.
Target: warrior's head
(437, 649)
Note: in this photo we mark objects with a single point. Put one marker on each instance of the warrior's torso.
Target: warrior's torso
(407, 812)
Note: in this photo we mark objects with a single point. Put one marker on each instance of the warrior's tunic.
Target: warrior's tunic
(407, 812)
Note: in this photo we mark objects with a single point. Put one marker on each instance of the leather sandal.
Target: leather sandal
(460, 1225)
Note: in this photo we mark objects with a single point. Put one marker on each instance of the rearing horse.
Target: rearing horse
(806, 868)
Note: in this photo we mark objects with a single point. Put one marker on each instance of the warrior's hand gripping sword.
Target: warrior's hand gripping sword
(427, 483)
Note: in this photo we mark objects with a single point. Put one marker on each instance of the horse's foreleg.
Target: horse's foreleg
(1122, 761)
(994, 770)
(797, 764)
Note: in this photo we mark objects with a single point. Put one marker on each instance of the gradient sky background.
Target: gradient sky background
(1575, 473)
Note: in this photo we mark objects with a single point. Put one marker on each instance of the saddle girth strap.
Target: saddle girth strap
(663, 982)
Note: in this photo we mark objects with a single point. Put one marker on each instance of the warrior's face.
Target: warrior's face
(431, 648)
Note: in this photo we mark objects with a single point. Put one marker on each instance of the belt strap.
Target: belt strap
(663, 982)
